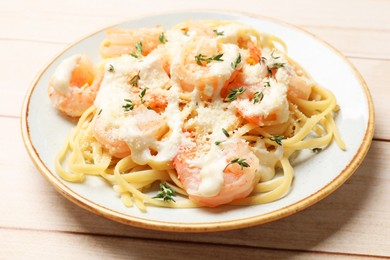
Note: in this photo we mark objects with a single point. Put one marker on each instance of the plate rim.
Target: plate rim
(285, 211)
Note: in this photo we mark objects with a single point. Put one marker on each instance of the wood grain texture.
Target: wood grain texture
(84, 246)
(355, 219)
(37, 221)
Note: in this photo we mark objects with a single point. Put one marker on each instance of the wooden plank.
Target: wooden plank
(375, 73)
(40, 222)
(355, 43)
(21, 63)
(22, 244)
(353, 220)
(46, 21)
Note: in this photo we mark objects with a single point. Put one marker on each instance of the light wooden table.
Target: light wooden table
(37, 222)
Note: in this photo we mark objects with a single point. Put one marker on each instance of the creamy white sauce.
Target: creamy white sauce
(152, 74)
(62, 76)
(267, 160)
(212, 165)
(169, 146)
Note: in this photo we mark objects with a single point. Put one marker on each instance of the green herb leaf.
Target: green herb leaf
(235, 64)
(100, 111)
(266, 84)
(275, 66)
(272, 55)
(316, 150)
(162, 38)
(258, 97)
(225, 132)
(277, 139)
(129, 105)
(200, 57)
(239, 161)
(111, 68)
(218, 33)
(218, 142)
(134, 80)
(166, 192)
(234, 93)
(138, 47)
(141, 96)
(138, 50)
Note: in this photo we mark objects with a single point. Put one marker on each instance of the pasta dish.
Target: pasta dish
(203, 114)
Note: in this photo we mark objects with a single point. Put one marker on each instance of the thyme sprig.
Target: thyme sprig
(258, 97)
(277, 139)
(225, 132)
(129, 105)
(142, 94)
(234, 93)
(239, 161)
(138, 50)
(236, 62)
(316, 150)
(218, 33)
(134, 80)
(166, 192)
(266, 84)
(111, 68)
(200, 57)
(162, 38)
(275, 66)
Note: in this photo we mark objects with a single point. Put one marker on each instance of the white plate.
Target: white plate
(44, 131)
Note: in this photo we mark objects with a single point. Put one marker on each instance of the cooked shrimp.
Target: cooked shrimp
(123, 41)
(194, 29)
(264, 87)
(156, 100)
(299, 87)
(106, 136)
(74, 85)
(129, 104)
(266, 106)
(255, 53)
(225, 173)
(146, 123)
(206, 66)
(266, 103)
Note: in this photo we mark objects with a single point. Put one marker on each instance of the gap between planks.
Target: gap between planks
(172, 241)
